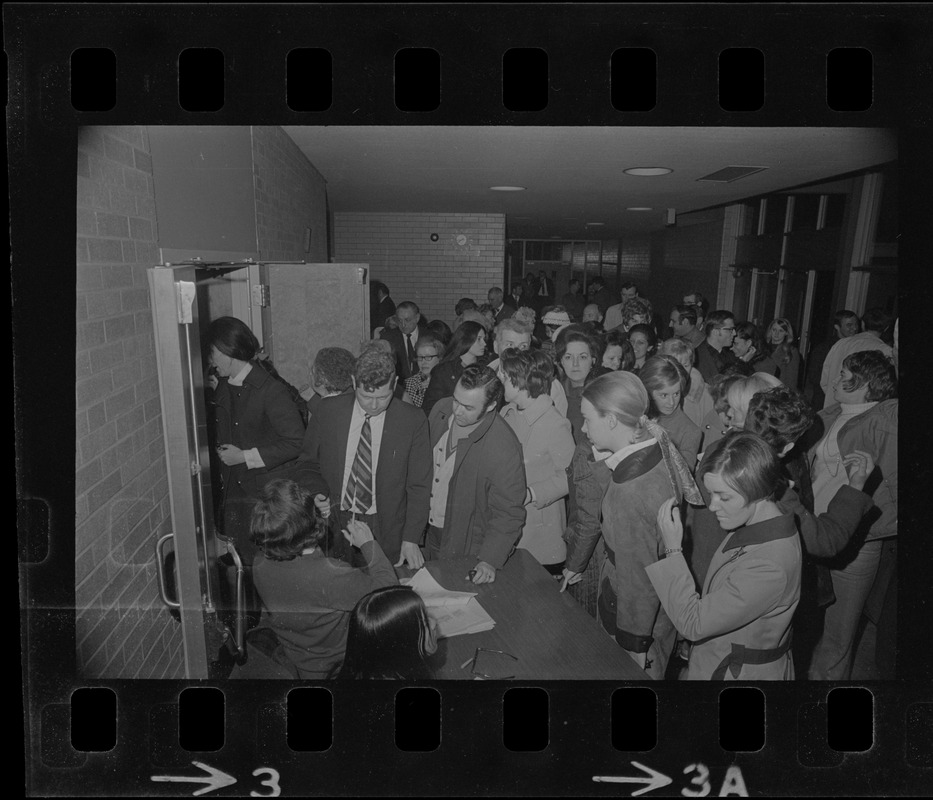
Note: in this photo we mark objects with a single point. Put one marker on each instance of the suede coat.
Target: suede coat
(628, 606)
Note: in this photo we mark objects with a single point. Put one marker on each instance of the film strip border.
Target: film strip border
(588, 64)
(557, 739)
(471, 42)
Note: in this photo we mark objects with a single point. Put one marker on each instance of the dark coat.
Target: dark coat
(403, 474)
(485, 510)
(380, 313)
(262, 414)
(403, 367)
(709, 363)
(444, 379)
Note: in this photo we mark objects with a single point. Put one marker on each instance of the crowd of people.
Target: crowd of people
(720, 506)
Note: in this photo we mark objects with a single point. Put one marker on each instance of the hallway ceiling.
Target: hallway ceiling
(574, 175)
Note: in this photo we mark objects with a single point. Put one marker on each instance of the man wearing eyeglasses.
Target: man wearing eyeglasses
(404, 340)
(714, 355)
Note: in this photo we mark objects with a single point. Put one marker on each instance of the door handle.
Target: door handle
(160, 569)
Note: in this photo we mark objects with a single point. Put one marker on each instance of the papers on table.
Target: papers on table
(455, 613)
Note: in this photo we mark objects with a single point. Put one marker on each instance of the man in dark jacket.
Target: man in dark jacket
(404, 340)
(382, 306)
(478, 493)
(366, 456)
(715, 354)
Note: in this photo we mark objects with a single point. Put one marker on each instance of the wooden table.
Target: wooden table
(550, 633)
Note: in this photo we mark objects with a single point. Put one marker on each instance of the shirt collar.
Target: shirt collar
(617, 457)
(237, 380)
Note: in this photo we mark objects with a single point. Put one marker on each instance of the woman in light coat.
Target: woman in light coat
(740, 621)
(547, 448)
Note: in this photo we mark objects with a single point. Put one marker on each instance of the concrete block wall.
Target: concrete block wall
(291, 196)
(435, 275)
(122, 504)
(686, 257)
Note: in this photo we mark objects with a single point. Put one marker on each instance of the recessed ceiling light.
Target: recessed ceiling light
(639, 208)
(507, 188)
(647, 172)
(594, 224)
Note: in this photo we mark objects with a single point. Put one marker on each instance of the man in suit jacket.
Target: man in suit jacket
(383, 306)
(499, 307)
(367, 456)
(478, 496)
(404, 340)
(714, 354)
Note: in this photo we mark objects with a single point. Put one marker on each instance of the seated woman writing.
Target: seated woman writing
(391, 637)
(740, 623)
(307, 597)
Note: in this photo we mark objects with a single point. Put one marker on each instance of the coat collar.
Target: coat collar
(537, 409)
(637, 464)
(781, 527)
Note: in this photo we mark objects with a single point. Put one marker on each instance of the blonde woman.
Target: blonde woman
(780, 342)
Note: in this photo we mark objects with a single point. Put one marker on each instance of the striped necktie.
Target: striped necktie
(359, 494)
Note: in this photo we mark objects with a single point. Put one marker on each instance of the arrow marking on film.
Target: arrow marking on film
(655, 779)
(214, 780)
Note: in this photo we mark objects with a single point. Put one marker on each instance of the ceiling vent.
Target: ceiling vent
(729, 174)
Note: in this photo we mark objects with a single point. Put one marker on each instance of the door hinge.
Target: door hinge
(260, 295)
(184, 298)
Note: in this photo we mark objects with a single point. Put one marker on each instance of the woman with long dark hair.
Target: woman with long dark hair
(390, 637)
(467, 346)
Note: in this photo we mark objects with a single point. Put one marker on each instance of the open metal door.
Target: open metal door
(184, 422)
(309, 306)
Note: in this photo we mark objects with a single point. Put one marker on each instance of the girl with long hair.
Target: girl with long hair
(467, 346)
(780, 341)
(390, 637)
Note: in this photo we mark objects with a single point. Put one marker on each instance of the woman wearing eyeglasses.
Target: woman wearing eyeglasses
(427, 353)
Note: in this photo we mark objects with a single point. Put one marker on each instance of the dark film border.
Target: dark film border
(471, 39)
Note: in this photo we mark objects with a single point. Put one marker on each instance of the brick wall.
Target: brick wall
(290, 197)
(122, 504)
(684, 258)
(399, 250)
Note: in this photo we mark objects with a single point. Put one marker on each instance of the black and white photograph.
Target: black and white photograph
(470, 400)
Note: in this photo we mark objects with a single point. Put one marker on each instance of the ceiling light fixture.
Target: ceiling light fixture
(507, 188)
(594, 224)
(647, 172)
(639, 208)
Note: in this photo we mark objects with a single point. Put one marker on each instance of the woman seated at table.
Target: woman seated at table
(307, 597)
(547, 449)
(646, 471)
(390, 637)
(741, 624)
